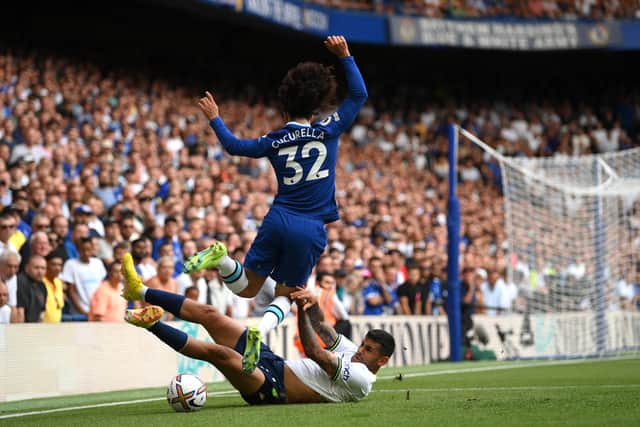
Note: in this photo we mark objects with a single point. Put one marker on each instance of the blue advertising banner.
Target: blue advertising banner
(500, 34)
(507, 35)
(630, 35)
(281, 12)
(233, 4)
(362, 27)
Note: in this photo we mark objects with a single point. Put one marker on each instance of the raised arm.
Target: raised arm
(234, 146)
(327, 360)
(308, 307)
(316, 318)
(356, 89)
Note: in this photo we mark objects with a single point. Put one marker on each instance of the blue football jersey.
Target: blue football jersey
(304, 156)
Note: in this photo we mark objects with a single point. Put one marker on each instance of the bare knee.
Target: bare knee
(284, 291)
(248, 292)
(254, 284)
(219, 355)
(197, 312)
(209, 311)
(253, 287)
(209, 315)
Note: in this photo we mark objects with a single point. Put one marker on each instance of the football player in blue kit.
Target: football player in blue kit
(303, 155)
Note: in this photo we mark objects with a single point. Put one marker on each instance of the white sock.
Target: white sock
(265, 295)
(227, 266)
(274, 314)
(235, 278)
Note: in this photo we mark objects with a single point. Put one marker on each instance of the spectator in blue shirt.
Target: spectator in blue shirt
(171, 229)
(375, 294)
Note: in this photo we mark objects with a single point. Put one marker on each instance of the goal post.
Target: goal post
(453, 252)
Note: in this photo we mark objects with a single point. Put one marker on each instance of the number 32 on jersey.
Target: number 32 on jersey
(315, 172)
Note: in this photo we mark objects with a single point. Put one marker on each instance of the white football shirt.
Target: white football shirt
(5, 314)
(351, 382)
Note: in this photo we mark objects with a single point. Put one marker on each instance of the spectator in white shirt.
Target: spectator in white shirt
(83, 275)
(625, 292)
(8, 314)
(9, 266)
(493, 291)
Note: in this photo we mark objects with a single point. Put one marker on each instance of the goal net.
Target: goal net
(573, 231)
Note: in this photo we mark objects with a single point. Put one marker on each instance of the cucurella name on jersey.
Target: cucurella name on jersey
(297, 134)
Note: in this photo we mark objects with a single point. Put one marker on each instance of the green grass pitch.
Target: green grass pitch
(585, 392)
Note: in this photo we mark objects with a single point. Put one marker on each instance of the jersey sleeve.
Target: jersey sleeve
(342, 344)
(256, 148)
(355, 376)
(357, 94)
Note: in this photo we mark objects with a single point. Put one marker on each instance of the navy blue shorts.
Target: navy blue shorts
(287, 247)
(272, 366)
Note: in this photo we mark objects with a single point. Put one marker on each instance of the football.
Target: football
(186, 393)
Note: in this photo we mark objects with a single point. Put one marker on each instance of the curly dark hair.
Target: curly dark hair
(306, 89)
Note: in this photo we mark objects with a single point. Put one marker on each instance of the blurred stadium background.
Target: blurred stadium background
(99, 126)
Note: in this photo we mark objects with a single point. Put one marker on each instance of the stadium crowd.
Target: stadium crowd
(95, 164)
(533, 9)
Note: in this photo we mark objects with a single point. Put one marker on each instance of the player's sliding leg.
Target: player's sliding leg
(149, 318)
(133, 285)
(251, 354)
(222, 356)
(144, 317)
(222, 329)
(210, 318)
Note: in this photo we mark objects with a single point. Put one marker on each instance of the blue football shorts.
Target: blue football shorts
(287, 247)
(272, 390)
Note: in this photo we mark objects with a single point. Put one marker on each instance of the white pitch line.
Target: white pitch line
(498, 368)
(102, 405)
(516, 388)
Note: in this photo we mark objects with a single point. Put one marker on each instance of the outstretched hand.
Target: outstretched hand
(208, 106)
(303, 297)
(338, 46)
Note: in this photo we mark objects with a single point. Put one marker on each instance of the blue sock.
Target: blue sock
(173, 337)
(167, 300)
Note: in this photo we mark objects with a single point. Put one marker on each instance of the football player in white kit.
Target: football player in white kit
(343, 372)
